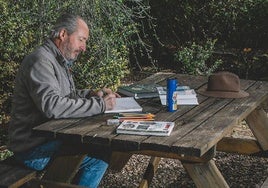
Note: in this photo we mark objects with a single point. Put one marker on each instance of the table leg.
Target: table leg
(150, 172)
(205, 175)
(63, 168)
(119, 160)
(258, 123)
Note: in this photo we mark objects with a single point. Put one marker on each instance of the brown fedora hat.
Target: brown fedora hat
(223, 85)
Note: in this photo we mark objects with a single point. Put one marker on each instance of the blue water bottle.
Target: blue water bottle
(171, 94)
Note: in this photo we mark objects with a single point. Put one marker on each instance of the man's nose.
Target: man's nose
(83, 48)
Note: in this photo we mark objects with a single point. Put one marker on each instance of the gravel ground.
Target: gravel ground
(238, 171)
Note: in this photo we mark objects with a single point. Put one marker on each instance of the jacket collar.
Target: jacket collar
(56, 52)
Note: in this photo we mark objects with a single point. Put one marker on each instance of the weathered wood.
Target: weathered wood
(63, 168)
(198, 144)
(48, 129)
(258, 123)
(211, 176)
(101, 135)
(198, 129)
(157, 77)
(119, 160)
(185, 115)
(204, 158)
(87, 131)
(12, 176)
(209, 132)
(265, 184)
(258, 95)
(150, 172)
(239, 145)
(185, 123)
(187, 119)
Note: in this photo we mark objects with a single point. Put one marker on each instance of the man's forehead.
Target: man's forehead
(82, 29)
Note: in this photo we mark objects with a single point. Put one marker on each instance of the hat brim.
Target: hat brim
(224, 94)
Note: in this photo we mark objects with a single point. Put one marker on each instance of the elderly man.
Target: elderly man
(45, 90)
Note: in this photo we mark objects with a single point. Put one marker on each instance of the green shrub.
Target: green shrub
(106, 61)
(237, 24)
(113, 26)
(16, 34)
(5, 153)
(195, 58)
(7, 76)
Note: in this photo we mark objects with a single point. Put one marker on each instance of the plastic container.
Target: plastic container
(171, 94)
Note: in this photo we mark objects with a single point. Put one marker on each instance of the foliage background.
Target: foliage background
(141, 35)
(113, 25)
(239, 27)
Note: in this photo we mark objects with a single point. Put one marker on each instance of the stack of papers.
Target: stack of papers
(185, 95)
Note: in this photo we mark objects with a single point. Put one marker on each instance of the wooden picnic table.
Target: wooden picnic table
(200, 131)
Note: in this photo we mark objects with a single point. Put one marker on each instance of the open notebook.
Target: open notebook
(125, 104)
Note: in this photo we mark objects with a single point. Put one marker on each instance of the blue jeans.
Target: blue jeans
(91, 169)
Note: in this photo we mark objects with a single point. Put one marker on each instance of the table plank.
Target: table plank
(156, 78)
(101, 135)
(185, 123)
(49, 128)
(79, 130)
(210, 132)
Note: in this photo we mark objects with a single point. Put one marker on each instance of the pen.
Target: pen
(136, 120)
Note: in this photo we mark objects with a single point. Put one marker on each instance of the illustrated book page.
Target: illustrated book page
(157, 128)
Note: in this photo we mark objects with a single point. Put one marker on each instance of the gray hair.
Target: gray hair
(65, 21)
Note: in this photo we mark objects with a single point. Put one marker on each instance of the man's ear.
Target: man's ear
(63, 34)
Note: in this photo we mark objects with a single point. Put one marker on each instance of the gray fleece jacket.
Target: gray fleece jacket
(45, 90)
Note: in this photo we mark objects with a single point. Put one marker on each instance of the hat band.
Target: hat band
(223, 90)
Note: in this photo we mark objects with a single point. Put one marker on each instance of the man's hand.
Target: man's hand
(109, 97)
(109, 100)
(106, 91)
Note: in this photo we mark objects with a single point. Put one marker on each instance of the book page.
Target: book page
(125, 104)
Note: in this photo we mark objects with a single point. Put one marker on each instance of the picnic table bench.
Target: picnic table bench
(12, 176)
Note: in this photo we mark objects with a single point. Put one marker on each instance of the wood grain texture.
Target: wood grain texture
(198, 129)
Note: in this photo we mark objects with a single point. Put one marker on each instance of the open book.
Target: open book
(125, 104)
(157, 128)
(185, 95)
